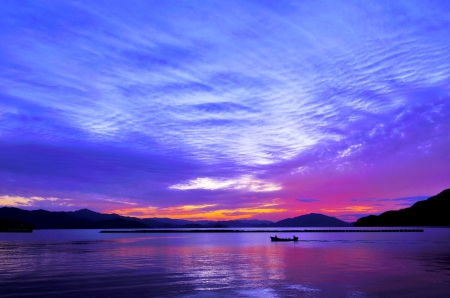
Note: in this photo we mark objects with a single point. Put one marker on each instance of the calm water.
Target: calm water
(84, 263)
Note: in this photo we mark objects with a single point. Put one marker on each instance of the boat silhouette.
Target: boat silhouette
(276, 239)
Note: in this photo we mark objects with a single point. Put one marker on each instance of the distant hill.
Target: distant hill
(311, 220)
(42, 219)
(95, 216)
(435, 211)
(87, 219)
(92, 215)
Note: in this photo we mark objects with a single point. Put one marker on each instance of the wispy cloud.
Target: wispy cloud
(246, 183)
(16, 201)
(249, 101)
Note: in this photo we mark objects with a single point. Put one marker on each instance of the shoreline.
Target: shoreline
(266, 231)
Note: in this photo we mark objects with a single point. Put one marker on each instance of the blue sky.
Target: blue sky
(146, 107)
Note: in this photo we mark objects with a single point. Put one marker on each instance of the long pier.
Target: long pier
(265, 231)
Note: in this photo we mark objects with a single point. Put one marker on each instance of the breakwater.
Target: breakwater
(267, 231)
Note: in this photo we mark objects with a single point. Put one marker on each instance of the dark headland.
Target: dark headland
(435, 211)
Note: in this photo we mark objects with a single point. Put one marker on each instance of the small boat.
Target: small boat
(275, 239)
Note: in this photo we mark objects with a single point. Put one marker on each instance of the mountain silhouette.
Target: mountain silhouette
(311, 220)
(87, 219)
(95, 216)
(92, 215)
(42, 219)
(431, 212)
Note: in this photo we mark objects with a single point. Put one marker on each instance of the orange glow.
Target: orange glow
(194, 212)
(17, 201)
(351, 209)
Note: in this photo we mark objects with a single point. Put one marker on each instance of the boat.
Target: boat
(276, 239)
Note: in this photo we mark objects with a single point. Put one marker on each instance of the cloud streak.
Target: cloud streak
(10, 201)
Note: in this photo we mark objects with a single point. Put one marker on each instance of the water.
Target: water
(85, 263)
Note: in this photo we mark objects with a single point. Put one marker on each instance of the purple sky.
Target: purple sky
(224, 109)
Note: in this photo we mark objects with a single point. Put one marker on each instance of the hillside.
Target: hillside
(42, 219)
(311, 220)
(87, 219)
(431, 212)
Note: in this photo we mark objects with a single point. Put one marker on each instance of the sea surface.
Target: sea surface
(86, 263)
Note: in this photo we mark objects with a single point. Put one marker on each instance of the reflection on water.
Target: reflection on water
(89, 264)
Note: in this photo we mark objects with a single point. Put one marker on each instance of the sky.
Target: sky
(224, 109)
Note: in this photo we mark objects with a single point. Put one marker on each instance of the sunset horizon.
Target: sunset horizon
(209, 212)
